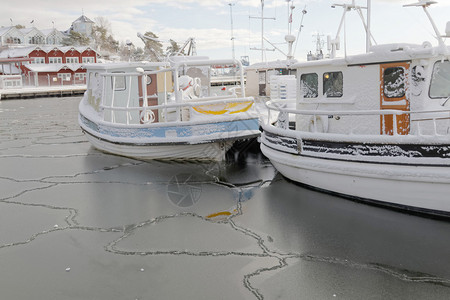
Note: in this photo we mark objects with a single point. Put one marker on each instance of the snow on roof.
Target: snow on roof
(26, 30)
(123, 66)
(17, 52)
(272, 64)
(4, 30)
(83, 19)
(9, 69)
(52, 67)
(48, 31)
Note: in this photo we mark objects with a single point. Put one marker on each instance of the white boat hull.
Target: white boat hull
(414, 187)
(206, 151)
(203, 141)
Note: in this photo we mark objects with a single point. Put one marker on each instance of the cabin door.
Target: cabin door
(394, 95)
(262, 83)
(152, 98)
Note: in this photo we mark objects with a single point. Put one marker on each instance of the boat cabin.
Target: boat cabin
(258, 76)
(117, 93)
(107, 86)
(401, 77)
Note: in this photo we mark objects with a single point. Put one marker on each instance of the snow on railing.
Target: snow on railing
(146, 112)
(278, 106)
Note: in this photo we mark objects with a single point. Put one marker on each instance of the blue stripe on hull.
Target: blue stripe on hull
(170, 132)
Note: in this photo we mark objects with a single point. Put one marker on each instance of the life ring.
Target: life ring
(318, 124)
(147, 116)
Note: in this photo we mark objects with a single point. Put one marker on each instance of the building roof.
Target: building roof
(276, 64)
(49, 31)
(4, 30)
(83, 19)
(16, 52)
(15, 59)
(25, 51)
(9, 69)
(52, 67)
(26, 30)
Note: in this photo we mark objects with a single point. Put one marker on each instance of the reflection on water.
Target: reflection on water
(189, 230)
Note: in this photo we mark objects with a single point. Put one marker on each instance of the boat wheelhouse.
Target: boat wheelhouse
(165, 110)
(374, 126)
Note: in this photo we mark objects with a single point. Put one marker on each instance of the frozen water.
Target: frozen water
(80, 224)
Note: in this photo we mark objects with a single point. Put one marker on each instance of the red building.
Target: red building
(52, 65)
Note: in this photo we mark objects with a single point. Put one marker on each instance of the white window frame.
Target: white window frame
(80, 76)
(88, 60)
(55, 60)
(64, 76)
(72, 60)
(38, 60)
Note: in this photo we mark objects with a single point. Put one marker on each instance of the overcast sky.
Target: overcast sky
(209, 22)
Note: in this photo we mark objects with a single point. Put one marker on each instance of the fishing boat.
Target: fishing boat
(165, 110)
(372, 127)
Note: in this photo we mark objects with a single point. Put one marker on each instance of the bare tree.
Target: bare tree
(102, 35)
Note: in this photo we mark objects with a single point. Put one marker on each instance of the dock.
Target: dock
(33, 92)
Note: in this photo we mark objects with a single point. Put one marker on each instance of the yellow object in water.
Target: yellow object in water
(220, 213)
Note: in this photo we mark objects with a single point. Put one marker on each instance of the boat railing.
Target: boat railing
(424, 122)
(167, 104)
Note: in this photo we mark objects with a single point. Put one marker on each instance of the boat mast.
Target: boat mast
(290, 39)
(262, 31)
(368, 34)
(334, 45)
(232, 35)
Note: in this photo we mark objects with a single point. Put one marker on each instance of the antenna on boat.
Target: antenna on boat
(425, 4)
(262, 31)
(301, 26)
(334, 44)
(289, 38)
(232, 35)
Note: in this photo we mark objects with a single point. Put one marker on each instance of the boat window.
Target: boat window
(310, 85)
(394, 82)
(262, 77)
(118, 82)
(149, 79)
(440, 80)
(333, 84)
